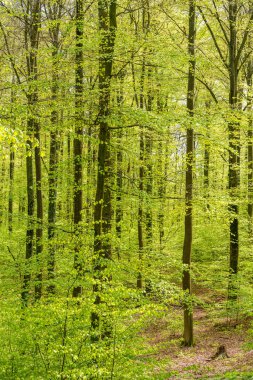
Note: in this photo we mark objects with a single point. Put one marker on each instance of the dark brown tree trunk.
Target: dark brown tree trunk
(234, 154)
(89, 179)
(78, 193)
(119, 211)
(32, 21)
(161, 194)
(102, 210)
(250, 174)
(30, 215)
(69, 194)
(11, 166)
(141, 180)
(188, 312)
(55, 15)
(207, 158)
(162, 175)
(250, 145)
(11, 177)
(39, 209)
(119, 179)
(52, 198)
(149, 188)
(34, 42)
(140, 209)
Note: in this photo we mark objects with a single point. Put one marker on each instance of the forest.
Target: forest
(126, 191)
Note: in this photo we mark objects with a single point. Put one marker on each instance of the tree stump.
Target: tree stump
(221, 353)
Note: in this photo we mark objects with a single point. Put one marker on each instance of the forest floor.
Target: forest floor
(200, 361)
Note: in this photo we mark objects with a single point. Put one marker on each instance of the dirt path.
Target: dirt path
(198, 362)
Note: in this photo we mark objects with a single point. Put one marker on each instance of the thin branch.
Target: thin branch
(220, 22)
(204, 83)
(244, 40)
(213, 37)
(10, 56)
(245, 59)
(182, 29)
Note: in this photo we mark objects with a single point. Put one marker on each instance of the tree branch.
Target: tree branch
(213, 37)
(244, 40)
(220, 22)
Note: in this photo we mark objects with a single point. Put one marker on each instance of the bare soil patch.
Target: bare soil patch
(203, 361)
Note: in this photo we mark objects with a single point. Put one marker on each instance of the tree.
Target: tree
(54, 14)
(188, 312)
(78, 167)
(102, 209)
(31, 36)
(233, 62)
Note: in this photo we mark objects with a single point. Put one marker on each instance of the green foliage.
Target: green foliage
(52, 338)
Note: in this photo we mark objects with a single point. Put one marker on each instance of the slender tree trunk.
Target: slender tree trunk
(34, 42)
(140, 210)
(234, 154)
(250, 145)
(30, 214)
(119, 179)
(149, 187)
(162, 193)
(2, 191)
(78, 167)
(162, 173)
(141, 181)
(39, 209)
(10, 200)
(52, 198)
(119, 211)
(11, 167)
(89, 173)
(102, 209)
(69, 195)
(188, 312)
(207, 158)
(250, 174)
(32, 21)
(54, 149)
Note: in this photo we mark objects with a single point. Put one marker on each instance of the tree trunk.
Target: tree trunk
(32, 21)
(54, 148)
(78, 193)
(250, 145)
(11, 165)
(234, 154)
(141, 180)
(11, 177)
(207, 158)
(140, 210)
(188, 312)
(39, 209)
(119, 179)
(149, 187)
(102, 210)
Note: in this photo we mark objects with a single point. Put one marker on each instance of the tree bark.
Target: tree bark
(188, 312)
(250, 145)
(141, 178)
(149, 187)
(207, 158)
(11, 165)
(39, 209)
(119, 179)
(102, 209)
(234, 153)
(55, 15)
(78, 167)
(32, 21)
